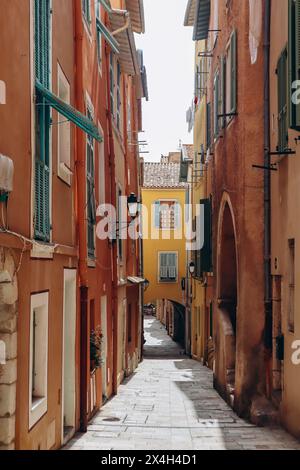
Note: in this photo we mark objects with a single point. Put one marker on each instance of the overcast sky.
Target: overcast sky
(169, 59)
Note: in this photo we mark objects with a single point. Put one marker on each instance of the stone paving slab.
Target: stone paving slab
(170, 404)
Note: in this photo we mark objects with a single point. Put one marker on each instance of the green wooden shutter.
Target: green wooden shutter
(216, 104)
(42, 41)
(206, 252)
(233, 61)
(91, 204)
(208, 126)
(293, 61)
(222, 107)
(42, 151)
(282, 101)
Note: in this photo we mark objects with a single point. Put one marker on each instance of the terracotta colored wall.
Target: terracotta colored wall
(234, 153)
(16, 141)
(285, 224)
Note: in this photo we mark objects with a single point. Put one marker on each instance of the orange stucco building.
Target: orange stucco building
(59, 282)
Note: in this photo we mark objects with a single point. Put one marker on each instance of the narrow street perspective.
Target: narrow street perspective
(170, 403)
(149, 227)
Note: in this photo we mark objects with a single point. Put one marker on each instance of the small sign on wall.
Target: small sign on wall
(2, 92)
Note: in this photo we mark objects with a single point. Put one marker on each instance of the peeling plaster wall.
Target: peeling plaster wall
(8, 335)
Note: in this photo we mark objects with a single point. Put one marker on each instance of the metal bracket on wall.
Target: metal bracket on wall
(283, 152)
(272, 167)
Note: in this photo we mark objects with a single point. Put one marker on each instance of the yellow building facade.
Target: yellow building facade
(164, 244)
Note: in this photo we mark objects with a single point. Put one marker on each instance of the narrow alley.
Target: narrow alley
(169, 403)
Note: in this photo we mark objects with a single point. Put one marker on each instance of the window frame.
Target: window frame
(39, 407)
(64, 171)
(168, 280)
(90, 180)
(177, 224)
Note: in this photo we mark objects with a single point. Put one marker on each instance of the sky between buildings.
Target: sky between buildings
(169, 59)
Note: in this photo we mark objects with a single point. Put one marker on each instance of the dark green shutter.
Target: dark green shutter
(282, 102)
(42, 160)
(208, 126)
(206, 252)
(91, 204)
(233, 60)
(42, 41)
(222, 108)
(293, 61)
(216, 104)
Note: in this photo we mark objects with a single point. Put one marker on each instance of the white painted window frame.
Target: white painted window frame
(39, 407)
(63, 170)
(177, 266)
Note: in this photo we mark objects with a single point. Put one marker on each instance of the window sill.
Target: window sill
(44, 251)
(91, 263)
(37, 411)
(64, 173)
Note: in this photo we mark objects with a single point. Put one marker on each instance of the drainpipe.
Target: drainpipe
(80, 208)
(267, 189)
(114, 253)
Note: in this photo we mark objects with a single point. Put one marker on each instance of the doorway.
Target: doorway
(69, 352)
(104, 346)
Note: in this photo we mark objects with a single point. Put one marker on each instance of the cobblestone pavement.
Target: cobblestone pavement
(169, 403)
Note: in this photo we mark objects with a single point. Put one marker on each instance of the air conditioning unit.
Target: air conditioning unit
(6, 175)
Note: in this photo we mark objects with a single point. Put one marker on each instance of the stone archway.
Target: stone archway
(227, 291)
(8, 339)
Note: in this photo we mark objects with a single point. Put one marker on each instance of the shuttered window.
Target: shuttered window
(42, 147)
(206, 252)
(167, 215)
(112, 83)
(86, 8)
(208, 126)
(233, 65)
(216, 104)
(203, 257)
(168, 267)
(118, 95)
(91, 204)
(293, 61)
(222, 106)
(282, 102)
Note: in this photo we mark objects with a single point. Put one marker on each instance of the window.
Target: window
(118, 95)
(98, 32)
(64, 131)
(294, 61)
(167, 215)
(203, 257)
(129, 323)
(282, 102)
(231, 75)
(91, 204)
(216, 94)
(38, 367)
(112, 83)
(291, 296)
(208, 126)
(42, 122)
(168, 267)
(102, 192)
(120, 225)
(86, 9)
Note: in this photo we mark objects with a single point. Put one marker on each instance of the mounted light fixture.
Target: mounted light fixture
(192, 267)
(132, 204)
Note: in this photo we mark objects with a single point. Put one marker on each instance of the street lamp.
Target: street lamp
(192, 267)
(132, 204)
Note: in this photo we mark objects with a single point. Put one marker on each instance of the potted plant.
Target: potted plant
(96, 340)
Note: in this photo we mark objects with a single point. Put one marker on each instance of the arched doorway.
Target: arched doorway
(227, 302)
